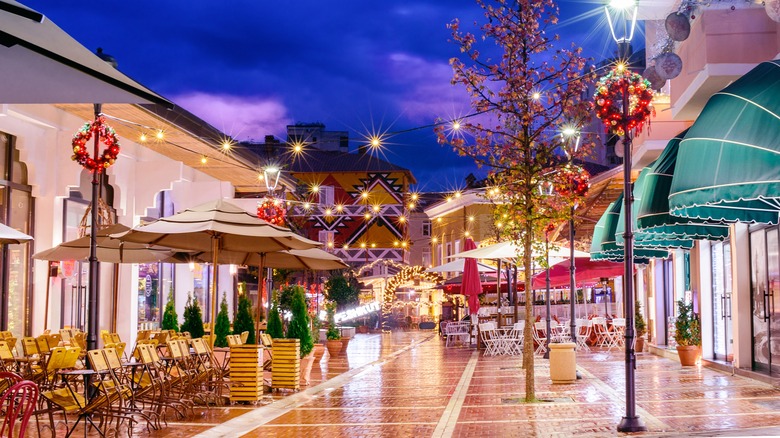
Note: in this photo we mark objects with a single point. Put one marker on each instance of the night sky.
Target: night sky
(252, 67)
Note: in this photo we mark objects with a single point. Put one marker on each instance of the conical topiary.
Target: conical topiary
(170, 318)
(222, 327)
(193, 319)
(299, 324)
(274, 328)
(244, 322)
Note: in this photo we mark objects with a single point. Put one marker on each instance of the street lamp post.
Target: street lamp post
(271, 176)
(626, 12)
(567, 134)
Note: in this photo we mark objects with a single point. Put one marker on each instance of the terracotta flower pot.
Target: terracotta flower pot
(318, 352)
(306, 365)
(689, 354)
(344, 344)
(334, 347)
(640, 344)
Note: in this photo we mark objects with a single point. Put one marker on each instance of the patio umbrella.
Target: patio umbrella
(108, 250)
(509, 250)
(10, 235)
(312, 259)
(214, 227)
(471, 286)
(587, 271)
(458, 266)
(728, 164)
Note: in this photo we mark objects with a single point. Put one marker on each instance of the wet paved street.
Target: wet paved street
(409, 384)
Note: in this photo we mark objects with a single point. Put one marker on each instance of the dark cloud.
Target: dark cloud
(250, 67)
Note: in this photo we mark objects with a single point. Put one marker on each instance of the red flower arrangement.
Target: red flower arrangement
(107, 137)
(609, 101)
(272, 211)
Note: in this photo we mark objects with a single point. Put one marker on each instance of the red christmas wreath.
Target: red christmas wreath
(572, 180)
(272, 211)
(107, 136)
(609, 101)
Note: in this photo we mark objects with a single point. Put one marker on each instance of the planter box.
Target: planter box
(246, 373)
(286, 364)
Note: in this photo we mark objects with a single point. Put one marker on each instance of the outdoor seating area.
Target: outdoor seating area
(110, 389)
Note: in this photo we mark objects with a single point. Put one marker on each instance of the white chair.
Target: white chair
(540, 326)
(584, 327)
(457, 331)
(599, 325)
(617, 334)
(490, 339)
(513, 342)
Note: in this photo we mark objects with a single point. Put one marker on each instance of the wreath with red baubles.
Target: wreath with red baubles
(107, 136)
(572, 180)
(272, 211)
(609, 101)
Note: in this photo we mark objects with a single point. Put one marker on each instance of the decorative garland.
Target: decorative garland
(609, 101)
(406, 275)
(272, 211)
(572, 180)
(107, 137)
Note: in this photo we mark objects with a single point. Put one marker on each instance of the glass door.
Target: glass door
(721, 301)
(765, 276)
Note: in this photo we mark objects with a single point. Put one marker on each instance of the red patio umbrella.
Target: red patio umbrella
(587, 270)
(471, 287)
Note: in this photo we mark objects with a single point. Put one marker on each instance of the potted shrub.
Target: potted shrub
(300, 329)
(640, 326)
(687, 334)
(244, 322)
(319, 347)
(222, 326)
(333, 335)
(193, 318)
(274, 328)
(170, 318)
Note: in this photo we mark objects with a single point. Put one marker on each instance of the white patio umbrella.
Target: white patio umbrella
(457, 266)
(508, 250)
(108, 250)
(214, 227)
(10, 235)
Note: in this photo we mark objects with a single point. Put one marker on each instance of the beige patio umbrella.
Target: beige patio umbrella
(10, 235)
(108, 250)
(312, 259)
(214, 227)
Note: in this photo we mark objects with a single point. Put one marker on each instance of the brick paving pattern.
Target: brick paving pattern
(407, 384)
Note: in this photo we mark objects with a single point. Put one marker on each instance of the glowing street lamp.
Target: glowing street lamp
(624, 13)
(271, 176)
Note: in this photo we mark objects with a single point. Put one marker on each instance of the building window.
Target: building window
(457, 247)
(426, 228)
(426, 258)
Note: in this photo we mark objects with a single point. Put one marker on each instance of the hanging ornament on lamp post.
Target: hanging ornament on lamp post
(618, 86)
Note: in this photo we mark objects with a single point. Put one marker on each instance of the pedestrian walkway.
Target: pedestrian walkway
(410, 384)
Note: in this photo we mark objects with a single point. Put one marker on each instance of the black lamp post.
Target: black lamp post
(626, 11)
(568, 133)
(94, 266)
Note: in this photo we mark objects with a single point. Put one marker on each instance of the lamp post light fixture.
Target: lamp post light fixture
(626, 11)
(570, 134)
(271, 176)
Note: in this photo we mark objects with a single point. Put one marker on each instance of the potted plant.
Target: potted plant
(300, 329)
(687, 334)
(640, 326)
(193, 319)
(275, 329)
(170, 318)
(333, 335)
(319, 347)
(222, 326)
(244, 322)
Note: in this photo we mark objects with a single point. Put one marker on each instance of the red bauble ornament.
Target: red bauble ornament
(608, 101)
(572, 180)
(272, 211)
(107, 136)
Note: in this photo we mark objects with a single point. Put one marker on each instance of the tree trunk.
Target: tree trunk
(528, 344)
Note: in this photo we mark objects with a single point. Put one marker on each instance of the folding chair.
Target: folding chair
(582, 334)
(489, 339)
(541, 340)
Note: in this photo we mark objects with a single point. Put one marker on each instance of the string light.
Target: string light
(143, 137)
(328, 212)
(364, 194)
(411, 206)
(376, 208)
(226, 146)
(471, 218)
(339, 208)
(204, 160)
(315, 188)
(160, 135)
(367, 216)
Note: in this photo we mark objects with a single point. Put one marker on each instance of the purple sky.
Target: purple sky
(251, 67)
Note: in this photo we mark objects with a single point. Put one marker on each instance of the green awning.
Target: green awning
(728, 164)
(651, 207)
(604, 245)
(641, 239)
